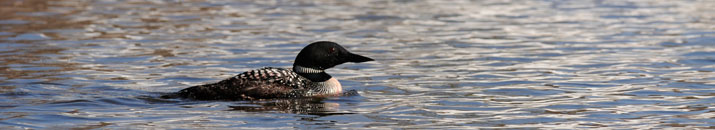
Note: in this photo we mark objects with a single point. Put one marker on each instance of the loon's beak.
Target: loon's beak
(355, 58)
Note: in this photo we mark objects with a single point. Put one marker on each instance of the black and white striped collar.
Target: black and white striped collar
(301, 69)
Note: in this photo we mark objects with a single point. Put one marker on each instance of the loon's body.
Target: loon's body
(307, 78)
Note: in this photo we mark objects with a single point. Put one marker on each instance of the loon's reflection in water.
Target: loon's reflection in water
(311, 106)
(299, 106)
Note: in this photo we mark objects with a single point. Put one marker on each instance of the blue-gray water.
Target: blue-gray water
(439, 64)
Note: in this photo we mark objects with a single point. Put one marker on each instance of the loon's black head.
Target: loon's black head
(324, 54)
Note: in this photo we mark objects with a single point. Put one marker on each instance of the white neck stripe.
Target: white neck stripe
(301, 69)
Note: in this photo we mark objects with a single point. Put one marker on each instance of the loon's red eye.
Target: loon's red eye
(332, 49)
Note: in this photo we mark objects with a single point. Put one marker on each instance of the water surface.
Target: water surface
(439, 64)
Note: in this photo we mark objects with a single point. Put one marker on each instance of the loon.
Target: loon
(307, 78)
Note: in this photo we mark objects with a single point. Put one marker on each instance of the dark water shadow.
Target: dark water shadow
(304, 106)
(307, 106)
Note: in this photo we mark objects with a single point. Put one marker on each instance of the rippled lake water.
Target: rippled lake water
(439, 64)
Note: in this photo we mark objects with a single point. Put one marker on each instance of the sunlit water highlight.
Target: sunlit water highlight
(439, 64)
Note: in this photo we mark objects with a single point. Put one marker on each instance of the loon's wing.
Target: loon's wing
(255, 84)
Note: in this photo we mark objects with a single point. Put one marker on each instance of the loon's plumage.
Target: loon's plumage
(307, 78)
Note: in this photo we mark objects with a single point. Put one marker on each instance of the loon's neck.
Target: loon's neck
(323, 84)
(315, 75)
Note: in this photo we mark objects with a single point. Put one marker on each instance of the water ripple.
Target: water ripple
(500, 64)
